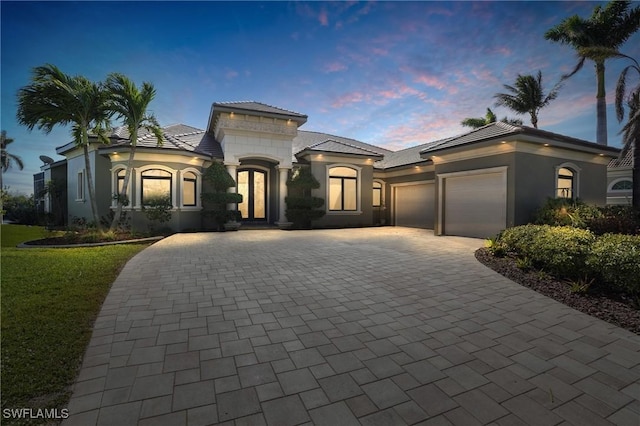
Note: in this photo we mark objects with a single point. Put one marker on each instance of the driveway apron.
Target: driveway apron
(374, 326)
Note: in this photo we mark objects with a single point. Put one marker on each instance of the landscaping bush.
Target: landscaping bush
(518, 240)
(615, 260)
(559, 250)
(562, 250)
(566, 212)
(215, 197)
(616, 220)
(302, 207)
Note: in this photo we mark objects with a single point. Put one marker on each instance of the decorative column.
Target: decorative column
(282, 193)
(231, 169)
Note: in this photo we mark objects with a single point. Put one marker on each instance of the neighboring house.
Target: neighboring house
(620, 180)
(475, 184)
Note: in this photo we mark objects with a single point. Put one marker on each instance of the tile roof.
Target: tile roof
(257, 107)
(500, 129)
(306, 139)
(489, 131)
(624, 162)
(177, 137)
(407, 156)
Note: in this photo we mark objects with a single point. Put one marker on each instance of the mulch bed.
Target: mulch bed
(615, 309)
(80, 238)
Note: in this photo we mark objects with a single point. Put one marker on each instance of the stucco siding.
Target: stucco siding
(363, 216)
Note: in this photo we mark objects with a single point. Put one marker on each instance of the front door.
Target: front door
(252, 184)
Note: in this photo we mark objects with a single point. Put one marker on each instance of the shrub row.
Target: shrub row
(599, 220)
(611, 260)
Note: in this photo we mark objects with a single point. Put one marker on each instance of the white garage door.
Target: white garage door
(414, 205)
(475, 205)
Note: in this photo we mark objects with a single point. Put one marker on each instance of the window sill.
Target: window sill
(344, 212)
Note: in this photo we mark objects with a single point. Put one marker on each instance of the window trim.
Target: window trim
(80, 185)
(617, 181)
(382, 200)
(198, 189)
(114, 185)
(358, 178)
(174, 182)
(575, 187)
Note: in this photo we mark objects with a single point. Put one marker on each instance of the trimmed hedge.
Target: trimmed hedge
(615, 260)
(572, 253)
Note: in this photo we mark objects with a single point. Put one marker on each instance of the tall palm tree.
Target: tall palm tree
(490, 117)
(608, 27)
(130, 105)
(631, 130)
(7, 159)
(527, 96)
(54, 98)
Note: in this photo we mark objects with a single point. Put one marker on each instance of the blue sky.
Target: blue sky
(394, 74)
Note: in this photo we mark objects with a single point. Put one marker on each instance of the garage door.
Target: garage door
(475, 205)
(414, 205)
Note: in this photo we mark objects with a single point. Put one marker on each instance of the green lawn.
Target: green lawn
(50, 298)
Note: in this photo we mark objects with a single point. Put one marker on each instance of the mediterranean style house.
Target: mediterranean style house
(474, 184)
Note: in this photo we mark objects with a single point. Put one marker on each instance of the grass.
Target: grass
(50, 298)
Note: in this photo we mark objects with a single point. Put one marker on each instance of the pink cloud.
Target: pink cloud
(231, 74)
(335, 67)
(323, 18)
(348, 98)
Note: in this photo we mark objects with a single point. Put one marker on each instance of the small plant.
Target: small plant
(580, 285)
(524, 263)
(157, 209)
(494, 246)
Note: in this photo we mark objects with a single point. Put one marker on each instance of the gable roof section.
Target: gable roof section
(253, 108)
(499, 130)
(307, 141)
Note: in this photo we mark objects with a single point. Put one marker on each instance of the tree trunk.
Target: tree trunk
(601, 106)
(125, 184)
(534, 120)
(90, 187)
(635, 175)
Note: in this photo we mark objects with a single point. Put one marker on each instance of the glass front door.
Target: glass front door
(252, 185)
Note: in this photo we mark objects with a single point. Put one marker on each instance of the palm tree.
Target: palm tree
(631, 130)
(527, 96)
(608, 27)
(7, 159)
(55, 98)
(130, 104)
(490, 117)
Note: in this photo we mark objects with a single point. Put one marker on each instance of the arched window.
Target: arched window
(120, 179)
(189, 189)
(377, 194)
(156, 184)
(343, 189)
(565, 186)
(622, 185)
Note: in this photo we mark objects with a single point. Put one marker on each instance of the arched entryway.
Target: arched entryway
(253, 184)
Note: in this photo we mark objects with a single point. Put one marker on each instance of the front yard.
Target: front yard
(50, 298)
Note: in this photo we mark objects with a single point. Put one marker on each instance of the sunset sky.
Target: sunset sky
(394, 74)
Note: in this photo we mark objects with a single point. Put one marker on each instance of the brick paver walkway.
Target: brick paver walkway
(382, 326)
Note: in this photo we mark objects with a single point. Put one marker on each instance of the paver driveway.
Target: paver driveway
(374, 326)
